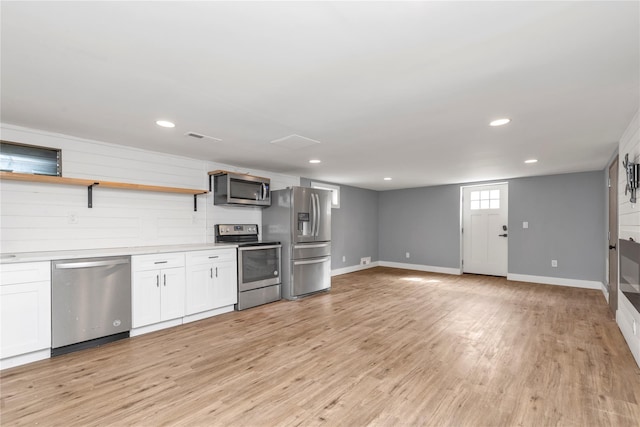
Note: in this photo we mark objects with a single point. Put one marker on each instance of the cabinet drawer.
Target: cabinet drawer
(205, 257)
(157, 261)
(27, 272)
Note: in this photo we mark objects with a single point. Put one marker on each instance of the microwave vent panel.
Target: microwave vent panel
(294, 142)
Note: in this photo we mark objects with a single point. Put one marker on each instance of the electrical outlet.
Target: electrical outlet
(365, 260)
(344, 258)
(525, 224)
(407, 255)
(72, 218)
(554, 263)
(635, 327)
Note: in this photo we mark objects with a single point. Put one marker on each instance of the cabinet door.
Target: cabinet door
(172, 300)
(145, 301)
(225, 289)
(25, 318)
(199, 288)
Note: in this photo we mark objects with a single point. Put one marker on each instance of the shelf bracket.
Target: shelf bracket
(195, 201)
(90, 193)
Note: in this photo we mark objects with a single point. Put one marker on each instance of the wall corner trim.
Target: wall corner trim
(559, 281)
(420, 267)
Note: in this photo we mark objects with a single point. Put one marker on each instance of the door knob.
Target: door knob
(612, 247)
(503, 235)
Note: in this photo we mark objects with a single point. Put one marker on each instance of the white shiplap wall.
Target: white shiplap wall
(35, 217)
(629, 214)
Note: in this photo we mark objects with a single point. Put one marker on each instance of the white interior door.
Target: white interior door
(484, 229)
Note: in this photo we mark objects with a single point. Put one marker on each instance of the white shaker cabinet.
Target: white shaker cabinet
(211, 280)
(25, 312)
(157, 288)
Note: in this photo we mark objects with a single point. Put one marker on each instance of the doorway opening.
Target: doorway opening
(484, 231)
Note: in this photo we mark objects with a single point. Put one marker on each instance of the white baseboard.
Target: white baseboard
(353, 268)
(23, 359)
(205, 314)
(420, 267)
(155, 327)
(545, 280)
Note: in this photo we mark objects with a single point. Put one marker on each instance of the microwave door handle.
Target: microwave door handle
(263, 192)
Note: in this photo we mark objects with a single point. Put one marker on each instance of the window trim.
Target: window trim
(335, 192)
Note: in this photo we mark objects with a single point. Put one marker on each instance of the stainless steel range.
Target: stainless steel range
(258, 264)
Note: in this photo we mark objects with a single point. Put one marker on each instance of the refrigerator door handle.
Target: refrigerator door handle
(315, 214)
(319, 215)
(307, 246)
(312, 261)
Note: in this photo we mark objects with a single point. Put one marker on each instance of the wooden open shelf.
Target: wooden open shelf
(90, 183)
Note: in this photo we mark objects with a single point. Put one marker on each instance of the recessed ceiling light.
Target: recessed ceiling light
(314, 161)
(499, 122)
(165, 124)
(531, 161)
(387, 179)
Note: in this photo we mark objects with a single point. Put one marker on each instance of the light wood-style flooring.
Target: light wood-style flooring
(385, 347)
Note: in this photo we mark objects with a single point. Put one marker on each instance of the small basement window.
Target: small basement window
(30, 159)
(335, 192)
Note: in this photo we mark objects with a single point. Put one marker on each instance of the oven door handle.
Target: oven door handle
(257, 248)
(312, 261)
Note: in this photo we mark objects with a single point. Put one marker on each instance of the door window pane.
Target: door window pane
(485, 199)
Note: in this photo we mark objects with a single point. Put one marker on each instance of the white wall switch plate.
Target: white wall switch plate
(344, 258)
(408, 255)
(525, 224)
(554, 263)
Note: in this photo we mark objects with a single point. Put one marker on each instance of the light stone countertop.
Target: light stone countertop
(17, 257)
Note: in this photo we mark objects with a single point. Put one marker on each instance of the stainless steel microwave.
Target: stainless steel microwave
(234, 189)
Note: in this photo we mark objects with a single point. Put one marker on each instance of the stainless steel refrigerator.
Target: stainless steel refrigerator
(300, 218)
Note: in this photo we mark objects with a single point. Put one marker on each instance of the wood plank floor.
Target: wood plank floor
(384, 347)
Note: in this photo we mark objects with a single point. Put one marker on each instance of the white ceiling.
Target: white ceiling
(399, 89)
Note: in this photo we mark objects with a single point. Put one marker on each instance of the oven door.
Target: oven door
(258, 266)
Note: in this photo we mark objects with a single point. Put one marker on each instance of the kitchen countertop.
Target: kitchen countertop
(17, 257)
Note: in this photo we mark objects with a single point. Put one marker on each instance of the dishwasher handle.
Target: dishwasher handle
(87, 264)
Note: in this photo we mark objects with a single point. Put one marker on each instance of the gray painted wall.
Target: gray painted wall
(354, 226)
(566, 222)
(566, 215)
(422, 221)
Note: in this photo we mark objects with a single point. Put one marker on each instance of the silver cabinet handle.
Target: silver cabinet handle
(212, 257)
(312, 261)
(211, 273)
(157, 280)
(71, 265)
(216, 271)
(161, 262)
(165, 280)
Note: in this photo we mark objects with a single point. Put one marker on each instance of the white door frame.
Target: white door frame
(462, 188)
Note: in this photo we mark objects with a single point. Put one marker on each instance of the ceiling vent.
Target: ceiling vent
(201, 136)
(294, 141)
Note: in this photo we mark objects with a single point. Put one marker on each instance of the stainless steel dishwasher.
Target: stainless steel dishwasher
(90, 302)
